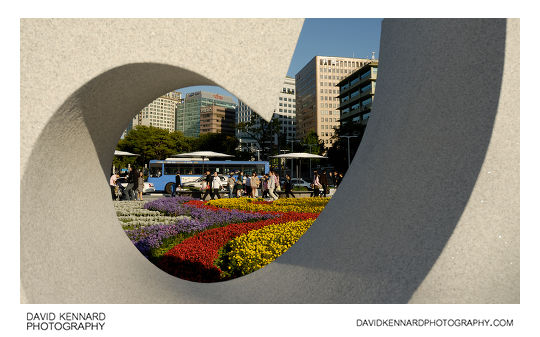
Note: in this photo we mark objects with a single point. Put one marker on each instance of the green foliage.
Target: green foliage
(155, 143)
(217, 142)
(337, 154)
(262, 132)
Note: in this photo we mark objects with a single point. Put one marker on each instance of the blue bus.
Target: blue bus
(162, 173)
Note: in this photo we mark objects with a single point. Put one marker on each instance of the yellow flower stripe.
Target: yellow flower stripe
(300, 205)
(258, 248)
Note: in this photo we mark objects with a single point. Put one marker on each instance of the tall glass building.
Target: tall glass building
(188, 112)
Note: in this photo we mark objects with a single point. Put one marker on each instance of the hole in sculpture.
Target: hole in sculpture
(208, 191)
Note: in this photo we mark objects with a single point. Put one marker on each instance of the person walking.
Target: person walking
(177, 183)
(230, 182)
(337, 178)
(140, 186)
(248, 185)
(264, 186)
(272, 185)
(207, 185)
(255, 182)
(324, 183)
(316, 184)
(112, 184)
(131, 181)
(216, 186)
(240, 184)
(288, 186)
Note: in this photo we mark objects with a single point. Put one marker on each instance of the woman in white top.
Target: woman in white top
(216, 185)
(272, 185)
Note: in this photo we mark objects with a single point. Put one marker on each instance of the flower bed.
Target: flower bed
(300, 205)
(257, 248)
(216, 240)
(193, 259)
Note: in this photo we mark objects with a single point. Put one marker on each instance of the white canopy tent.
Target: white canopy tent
(203, 155)
(124, 153)
(298, 155)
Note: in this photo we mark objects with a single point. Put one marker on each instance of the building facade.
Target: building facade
(285, 112)
(160, 113)
(317, 102)
(217, 119)
(188, 112)
(356, 93)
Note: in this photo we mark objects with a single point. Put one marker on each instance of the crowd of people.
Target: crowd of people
(133, 189)
(237, 184)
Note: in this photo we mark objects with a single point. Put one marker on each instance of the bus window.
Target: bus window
(155, 170)
(260, 169)
(171, 169)
(197, 170)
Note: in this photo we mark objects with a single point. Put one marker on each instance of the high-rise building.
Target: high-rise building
(356, 93)
(188, 112)
(285, 112)
(316, 94)
(217, 119)
(160, 113)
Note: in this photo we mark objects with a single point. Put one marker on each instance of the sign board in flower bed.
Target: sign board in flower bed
(220, 239)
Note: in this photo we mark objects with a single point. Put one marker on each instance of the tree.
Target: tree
(337, 154)
(149, 143)
(261, 131)
(217, 142)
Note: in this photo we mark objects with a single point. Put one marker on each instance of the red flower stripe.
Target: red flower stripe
(193, 259)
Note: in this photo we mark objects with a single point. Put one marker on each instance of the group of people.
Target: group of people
(243, 185)
(133, 189)
(322, 181)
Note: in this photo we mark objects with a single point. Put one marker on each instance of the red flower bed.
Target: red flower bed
(193, 259)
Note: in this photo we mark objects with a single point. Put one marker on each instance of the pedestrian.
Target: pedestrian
(272, 185)
(265, 186)
(316, 184)
(331, 181)
(207, 185)
(140, 186)
(177, 183)
(131, 181)
(288, 186)
(216, 186)
(254, 185)
(324, 183)
(278, 184)
(337, 179)
(248, 185)
(112, 184)
(230, 182)
(240, 184)
(122, 179)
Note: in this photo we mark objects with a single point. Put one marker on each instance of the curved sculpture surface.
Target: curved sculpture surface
(428, 212)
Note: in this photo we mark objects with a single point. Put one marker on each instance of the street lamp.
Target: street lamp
(348, 148)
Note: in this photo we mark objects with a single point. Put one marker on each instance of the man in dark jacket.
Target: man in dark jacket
(131, 181)
(177, 181)
(324, 182)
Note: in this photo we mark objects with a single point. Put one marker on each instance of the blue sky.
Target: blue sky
(327, 37)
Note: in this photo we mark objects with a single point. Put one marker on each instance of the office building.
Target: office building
(285, 112)
(188, 112)
(317, 101)
(217, 119)
(160, 113)
(356, 94)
